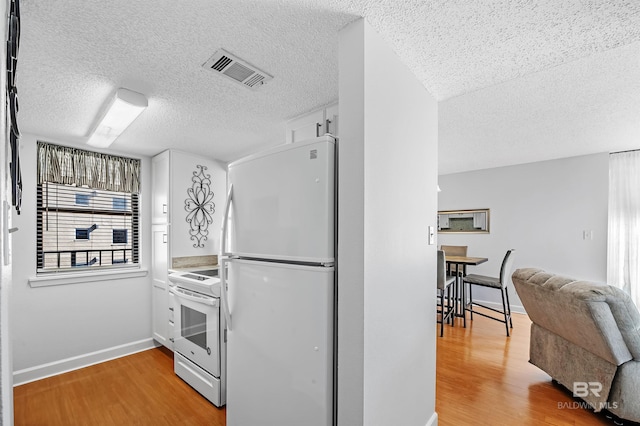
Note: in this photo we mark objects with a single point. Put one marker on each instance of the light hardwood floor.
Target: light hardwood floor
(139, 389)
(483, 377)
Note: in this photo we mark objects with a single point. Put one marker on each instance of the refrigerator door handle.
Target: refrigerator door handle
(225, 224)
(223, 292)
(223, 267)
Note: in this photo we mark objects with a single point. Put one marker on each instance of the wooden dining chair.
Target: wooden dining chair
(499, 283)
(444, 284)
(455, 251)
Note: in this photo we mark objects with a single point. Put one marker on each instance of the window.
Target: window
(82, 199)
(623, 245)
(88, 210)
(119, 203)
(119, 236)
(83, 233)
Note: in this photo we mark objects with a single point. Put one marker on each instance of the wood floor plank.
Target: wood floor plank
(482, 377)
(139, 389)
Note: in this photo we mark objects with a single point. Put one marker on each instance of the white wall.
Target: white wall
(541, 210)
(183, 165)
(386, 271)
(58, 323)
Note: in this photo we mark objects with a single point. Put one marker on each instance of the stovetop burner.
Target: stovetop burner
(207, 272)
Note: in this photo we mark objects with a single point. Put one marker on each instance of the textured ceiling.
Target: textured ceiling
(517, 81)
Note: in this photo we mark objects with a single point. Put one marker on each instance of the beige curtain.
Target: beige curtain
(65, 165)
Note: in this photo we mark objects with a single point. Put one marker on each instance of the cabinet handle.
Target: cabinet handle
(164, 238)
(318, 125)
(326, 130)
(164, 208)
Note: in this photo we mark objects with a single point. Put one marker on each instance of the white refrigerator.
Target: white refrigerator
(278, 263)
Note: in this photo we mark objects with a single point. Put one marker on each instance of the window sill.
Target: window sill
(85, 277)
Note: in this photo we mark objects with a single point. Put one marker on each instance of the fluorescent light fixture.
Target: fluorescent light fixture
(125, 107)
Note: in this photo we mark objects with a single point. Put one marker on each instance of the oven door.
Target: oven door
(197, 322)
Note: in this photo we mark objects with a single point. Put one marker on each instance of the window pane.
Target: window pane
(82, 234)
(82, 199)
(119, 236)
(79, 227)
(119, 203)
(194, 326)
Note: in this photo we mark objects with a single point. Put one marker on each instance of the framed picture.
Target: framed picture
(463, 221)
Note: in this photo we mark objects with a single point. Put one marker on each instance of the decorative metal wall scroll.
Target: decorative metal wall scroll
(199, 206)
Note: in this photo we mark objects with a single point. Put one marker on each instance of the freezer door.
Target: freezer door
(280, 348)
(283, 203)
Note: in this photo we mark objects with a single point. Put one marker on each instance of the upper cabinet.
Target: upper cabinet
(331, 119)
(160, 180)
(313, 124)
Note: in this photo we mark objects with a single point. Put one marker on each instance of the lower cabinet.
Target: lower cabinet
(170, 325)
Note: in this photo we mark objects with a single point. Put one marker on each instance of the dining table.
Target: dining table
(459, 290)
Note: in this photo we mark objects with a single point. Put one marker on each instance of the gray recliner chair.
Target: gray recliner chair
(586, 336)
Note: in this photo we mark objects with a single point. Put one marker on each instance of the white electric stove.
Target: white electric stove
(200, 332)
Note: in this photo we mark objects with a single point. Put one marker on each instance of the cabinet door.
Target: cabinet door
(306, 127)
(479, 220)
(331, 120)
(160, 190)
(159, 289)
(443, 221)
(171, 330)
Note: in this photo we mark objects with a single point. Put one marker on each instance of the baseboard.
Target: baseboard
(38, 372)
(433, 421)
(515, 309)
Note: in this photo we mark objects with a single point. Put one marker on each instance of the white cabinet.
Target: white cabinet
(443, 221)
(331, 119)
(305, 127)
(313, 124)
(480, 220)
(159, 289)
(160, 179)
(184, 186)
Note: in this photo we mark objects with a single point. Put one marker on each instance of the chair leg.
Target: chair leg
(506, 290)
(463, 301)
(504, 310)
(450, 306)
(471, 300)
(455, 299)
(441, 304)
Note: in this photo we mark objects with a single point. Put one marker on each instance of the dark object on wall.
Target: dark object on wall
(13, 45)
(200, 206)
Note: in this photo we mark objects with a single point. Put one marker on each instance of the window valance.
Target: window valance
(66, 165)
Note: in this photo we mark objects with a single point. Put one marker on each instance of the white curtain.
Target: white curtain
(623, 251)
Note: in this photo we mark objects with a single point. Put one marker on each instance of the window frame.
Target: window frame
(117, 174)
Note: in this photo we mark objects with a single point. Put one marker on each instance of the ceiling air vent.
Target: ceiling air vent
(224, 63)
